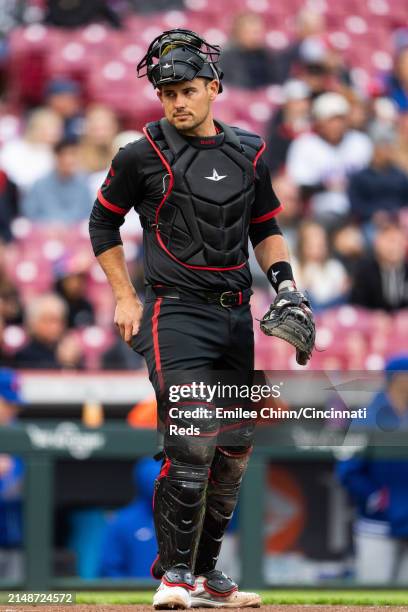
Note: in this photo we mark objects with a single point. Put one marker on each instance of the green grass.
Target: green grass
(380, 598)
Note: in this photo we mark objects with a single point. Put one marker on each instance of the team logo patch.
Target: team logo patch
(215, 176)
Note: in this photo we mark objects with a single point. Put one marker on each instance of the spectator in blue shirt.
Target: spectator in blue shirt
(381, 188)
(63, 196)
(379, 490)
(130, 546)
(11, 483)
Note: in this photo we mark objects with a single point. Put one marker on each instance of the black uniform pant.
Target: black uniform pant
(197, 489)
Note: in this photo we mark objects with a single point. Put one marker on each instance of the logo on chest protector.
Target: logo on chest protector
(215, 176)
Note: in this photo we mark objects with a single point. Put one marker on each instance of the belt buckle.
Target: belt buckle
(223, 296)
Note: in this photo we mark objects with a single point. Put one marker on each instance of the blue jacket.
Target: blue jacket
(129, 545)
(379, 487)
(11, 529)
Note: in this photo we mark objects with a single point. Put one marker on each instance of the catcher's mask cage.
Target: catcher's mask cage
(180, 55)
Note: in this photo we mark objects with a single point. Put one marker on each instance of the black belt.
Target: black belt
(227, 299)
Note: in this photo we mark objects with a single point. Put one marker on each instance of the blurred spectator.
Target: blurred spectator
(5, 358)
(64, 97)
(130, 544)
(29, 158)
(348, 246)
(397, 84)
(11, 484)
(71, 285)
(385, 112)
(10, 122)
(321, 162)
(247, 62)
(308, 23)
(382, 187)
(292, 119)
(401, 148)
(49, 347)
(324, 278)
(381, 280)
(320, 66)
(121, 357)
(64, 194)
(11, 311)
(81, 12)
(359, 112)
(124, 138)
(8, 206)
(378, 488)
(100, 130)
(10, 16)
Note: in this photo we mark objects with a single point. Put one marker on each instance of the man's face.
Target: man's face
(332, 129)
(49, 324)
(187, 104)
(390, 246)
(67, 162)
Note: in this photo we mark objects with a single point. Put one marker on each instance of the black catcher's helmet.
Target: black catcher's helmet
(180, 55)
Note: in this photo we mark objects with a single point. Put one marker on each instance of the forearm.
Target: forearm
(271, 250)
(113, 263)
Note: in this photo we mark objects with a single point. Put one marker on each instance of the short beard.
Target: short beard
(191, 128)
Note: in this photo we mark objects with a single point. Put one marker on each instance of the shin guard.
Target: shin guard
(179, 504)
(227, 470)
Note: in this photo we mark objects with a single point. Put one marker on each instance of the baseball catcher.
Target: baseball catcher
(201, 190)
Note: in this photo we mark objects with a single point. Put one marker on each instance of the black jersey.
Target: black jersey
(137, 179)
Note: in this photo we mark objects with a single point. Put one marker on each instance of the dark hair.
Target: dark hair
(65, 143)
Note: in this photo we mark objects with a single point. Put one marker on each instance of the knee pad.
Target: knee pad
(229, 465)
(190, 448)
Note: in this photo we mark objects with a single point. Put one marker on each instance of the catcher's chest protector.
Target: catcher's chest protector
(203, 219)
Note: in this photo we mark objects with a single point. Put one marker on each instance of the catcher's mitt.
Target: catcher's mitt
(290, 317)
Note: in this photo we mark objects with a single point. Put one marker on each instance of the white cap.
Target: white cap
(123, 138)
(330, 105)
(295, 89)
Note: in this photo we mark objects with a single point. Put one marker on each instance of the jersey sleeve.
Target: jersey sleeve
(122, 187)
(265, 208)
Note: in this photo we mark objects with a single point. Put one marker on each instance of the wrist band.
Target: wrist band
(279, 272)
